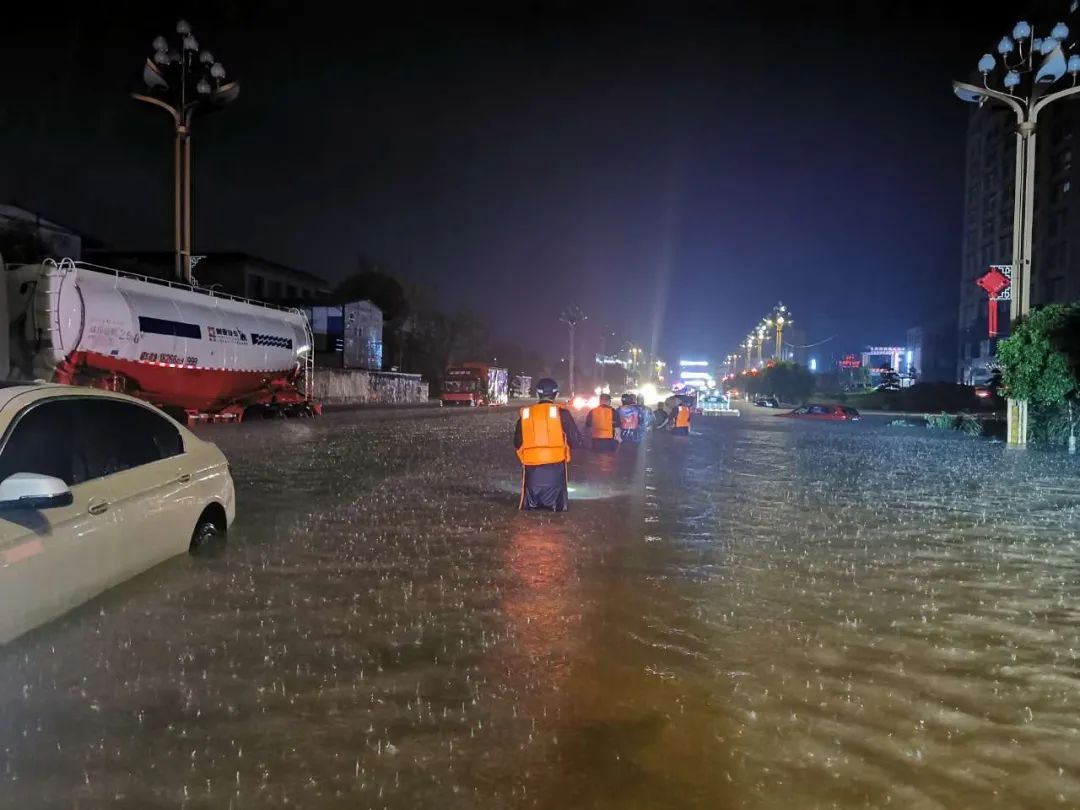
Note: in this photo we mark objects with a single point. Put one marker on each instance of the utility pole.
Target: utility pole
(572, 316)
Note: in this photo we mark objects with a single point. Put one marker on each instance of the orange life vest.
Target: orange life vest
(542, 437)
(682, 417)
(603, 422)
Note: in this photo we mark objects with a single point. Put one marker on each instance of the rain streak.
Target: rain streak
(768, 614)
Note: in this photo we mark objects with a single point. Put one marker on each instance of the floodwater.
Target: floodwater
(769, 614)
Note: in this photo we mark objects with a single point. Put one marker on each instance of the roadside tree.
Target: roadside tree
(1040, 361)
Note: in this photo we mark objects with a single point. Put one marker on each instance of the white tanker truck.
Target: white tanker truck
(190, 351)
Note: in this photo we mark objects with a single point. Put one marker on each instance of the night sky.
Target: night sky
(674, 168)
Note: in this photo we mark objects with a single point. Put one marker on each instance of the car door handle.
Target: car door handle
(185, 478)
(98, 507)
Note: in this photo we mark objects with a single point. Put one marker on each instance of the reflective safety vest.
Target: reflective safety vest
(542, 437)
(603, 422)
(628, 417)
(682, 417)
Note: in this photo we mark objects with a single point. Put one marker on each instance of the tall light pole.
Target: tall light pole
(780, 318)
(749, 347)
(1030, 67)
(760, 342)
(184, 81)
(572, 316)
(780, 321)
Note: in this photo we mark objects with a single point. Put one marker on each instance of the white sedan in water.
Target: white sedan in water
(95, 488)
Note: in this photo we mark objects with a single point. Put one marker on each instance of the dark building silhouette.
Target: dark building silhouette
(234, 273)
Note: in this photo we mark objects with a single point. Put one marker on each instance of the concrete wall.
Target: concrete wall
(335, 386)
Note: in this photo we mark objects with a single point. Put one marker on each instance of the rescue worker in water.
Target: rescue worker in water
(544, 434)
(631, 420)
(601, 423)
(680, 419)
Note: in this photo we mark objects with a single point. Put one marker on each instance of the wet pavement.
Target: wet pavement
(767, 614)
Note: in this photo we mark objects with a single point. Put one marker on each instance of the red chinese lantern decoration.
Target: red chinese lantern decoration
(995, 283)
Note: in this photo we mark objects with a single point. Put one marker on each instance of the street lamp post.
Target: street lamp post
(781, 318)
(761, 343)
(1029, 67)
(184, 80)
(572, 316)
(749, 347)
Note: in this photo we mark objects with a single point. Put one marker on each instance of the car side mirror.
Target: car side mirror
(33, 491)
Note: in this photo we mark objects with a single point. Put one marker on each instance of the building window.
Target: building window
(290, 291)
(256, 286)
(273, 289)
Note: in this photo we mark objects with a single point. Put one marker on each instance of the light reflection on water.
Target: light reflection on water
(765, 615)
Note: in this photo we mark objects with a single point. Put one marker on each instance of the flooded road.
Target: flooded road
(769, 614)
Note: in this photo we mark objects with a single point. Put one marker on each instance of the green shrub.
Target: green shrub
(940, 421)
(1040, 363)
(965, 423)
(969, 425)
(1048, 426)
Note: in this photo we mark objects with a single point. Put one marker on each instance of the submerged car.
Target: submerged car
(767, 402)
(829, 413)
(96, 487)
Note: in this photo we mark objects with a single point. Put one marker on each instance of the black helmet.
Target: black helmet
(627, 399)
(547, 388)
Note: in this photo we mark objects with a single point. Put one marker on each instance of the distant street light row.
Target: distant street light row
(774, 322)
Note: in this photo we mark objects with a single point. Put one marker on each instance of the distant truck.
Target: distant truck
(475, 384)
(522, 386)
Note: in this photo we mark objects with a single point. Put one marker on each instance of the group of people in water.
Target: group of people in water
(546, 433)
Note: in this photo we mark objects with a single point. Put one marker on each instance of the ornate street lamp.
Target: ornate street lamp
(1025, 80)
(760, 340)
(780, 318)
(184, 81)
